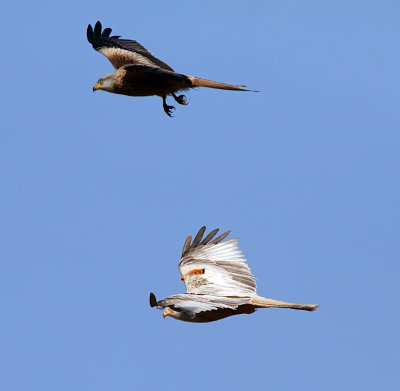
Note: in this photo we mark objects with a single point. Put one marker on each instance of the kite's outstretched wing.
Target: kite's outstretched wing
(121, 51)
(212, 267)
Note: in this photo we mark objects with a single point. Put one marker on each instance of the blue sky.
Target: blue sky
(99, 192)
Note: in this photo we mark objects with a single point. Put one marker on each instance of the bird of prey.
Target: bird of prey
(218, 283)
(139, 73)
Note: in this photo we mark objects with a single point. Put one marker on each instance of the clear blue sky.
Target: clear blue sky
(99, 191)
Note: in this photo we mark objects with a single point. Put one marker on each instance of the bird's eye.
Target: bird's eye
(101, 81)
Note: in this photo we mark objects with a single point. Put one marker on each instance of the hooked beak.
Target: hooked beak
(96, 87)
(167, 312)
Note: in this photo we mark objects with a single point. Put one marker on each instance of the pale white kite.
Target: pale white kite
(139, 73)
(218, 283)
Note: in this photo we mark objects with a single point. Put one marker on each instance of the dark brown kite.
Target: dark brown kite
(139, 73)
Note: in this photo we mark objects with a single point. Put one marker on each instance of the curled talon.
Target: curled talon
(169, 110)
(181, 99)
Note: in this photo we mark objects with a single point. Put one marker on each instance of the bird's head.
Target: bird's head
(170, 312)
(105, 83)
(179, 314)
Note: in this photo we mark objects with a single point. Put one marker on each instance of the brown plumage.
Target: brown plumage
(139, 73)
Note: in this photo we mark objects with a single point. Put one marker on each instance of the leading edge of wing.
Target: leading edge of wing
(200, 303)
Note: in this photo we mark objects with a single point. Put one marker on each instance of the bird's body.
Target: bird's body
(143, 80)
(139, 73)
(218, 281)
(213, 307)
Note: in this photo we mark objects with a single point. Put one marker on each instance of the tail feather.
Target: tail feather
(265, 302)
(199, 82)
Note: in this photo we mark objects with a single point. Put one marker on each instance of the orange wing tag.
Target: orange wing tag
(194, 272)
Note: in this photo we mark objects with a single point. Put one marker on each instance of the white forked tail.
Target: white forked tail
(265, 302)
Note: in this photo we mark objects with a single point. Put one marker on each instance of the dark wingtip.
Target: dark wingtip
(106, 32)
(221, 237)
(97, 29)
(89, 33)
(97, 37)
(153, 300)
(186, 245)
(209, 236)
(198, 237)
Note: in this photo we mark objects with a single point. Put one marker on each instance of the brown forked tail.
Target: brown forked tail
(199, 82)
(265, 302)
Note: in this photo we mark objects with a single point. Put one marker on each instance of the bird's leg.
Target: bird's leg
(167, 109)
(181, 99)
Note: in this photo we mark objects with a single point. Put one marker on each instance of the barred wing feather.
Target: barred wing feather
(216, 268)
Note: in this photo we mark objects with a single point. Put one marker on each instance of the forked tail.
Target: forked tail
(199, 82)
(265, 302)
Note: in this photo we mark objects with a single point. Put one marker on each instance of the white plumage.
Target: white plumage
(226, 272)
(218, 282)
